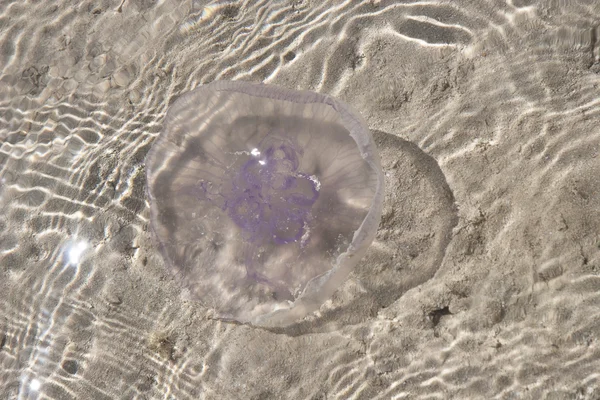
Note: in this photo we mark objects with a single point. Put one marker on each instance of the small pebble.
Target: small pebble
(70, 84)
(134, 96)
(121, 78)
(113, 298)
(102, 87)
(98, 62)
(81, 75)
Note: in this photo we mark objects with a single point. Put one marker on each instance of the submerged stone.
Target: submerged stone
(263, 199)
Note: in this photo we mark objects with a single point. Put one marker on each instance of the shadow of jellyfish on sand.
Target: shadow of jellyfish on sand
(263, 199)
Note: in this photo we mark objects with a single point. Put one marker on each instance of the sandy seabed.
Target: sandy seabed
(483, 281)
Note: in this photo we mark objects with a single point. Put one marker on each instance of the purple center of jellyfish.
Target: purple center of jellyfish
(269, 199)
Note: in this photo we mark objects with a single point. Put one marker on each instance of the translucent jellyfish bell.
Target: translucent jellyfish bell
(263, 199)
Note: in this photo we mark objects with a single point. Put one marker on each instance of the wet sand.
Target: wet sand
(483, 281)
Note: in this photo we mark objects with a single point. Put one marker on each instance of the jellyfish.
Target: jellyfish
(262, 199)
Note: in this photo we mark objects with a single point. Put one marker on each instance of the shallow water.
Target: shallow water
(483, 281)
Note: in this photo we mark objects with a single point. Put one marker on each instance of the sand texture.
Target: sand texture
(483, 281)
